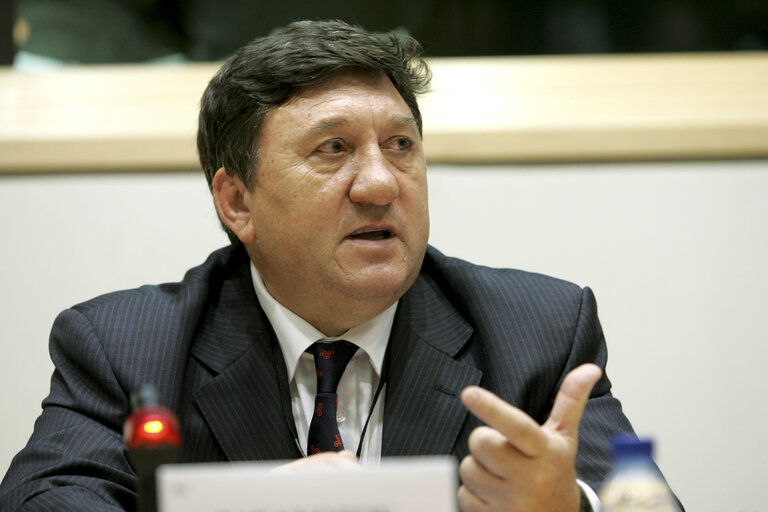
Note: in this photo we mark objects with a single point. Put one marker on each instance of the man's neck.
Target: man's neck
(332, 318)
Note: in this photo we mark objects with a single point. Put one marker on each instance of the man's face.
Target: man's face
(339, 204)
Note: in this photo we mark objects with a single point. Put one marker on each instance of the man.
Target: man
(311, 143)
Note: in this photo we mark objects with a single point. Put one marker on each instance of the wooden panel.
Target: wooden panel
(481, 110)
(101, 118)
(598, 108)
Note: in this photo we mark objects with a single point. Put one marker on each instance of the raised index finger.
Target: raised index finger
(521, 430)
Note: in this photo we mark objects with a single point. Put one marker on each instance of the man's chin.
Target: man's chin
(386, 282)
(364, 278)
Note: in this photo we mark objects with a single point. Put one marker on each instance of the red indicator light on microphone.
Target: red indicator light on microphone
(152, 437)
(151, 427)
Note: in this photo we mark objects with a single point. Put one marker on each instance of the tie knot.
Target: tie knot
(330, 361)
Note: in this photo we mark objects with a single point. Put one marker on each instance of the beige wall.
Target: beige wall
(676, 253)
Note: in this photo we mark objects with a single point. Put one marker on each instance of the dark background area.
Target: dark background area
(99, 31)
(6, 32)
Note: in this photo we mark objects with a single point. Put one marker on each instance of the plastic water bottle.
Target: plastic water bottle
(635, 484)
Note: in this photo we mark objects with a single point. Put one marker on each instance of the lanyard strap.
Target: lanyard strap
(382, 381)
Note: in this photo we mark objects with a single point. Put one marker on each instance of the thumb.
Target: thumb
(571, 399)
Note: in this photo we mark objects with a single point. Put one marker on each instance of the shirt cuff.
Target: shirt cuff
(592, 501)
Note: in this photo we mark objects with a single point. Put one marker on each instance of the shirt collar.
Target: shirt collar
(295, 335)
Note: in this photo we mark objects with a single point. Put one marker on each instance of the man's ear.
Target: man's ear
(229, 194)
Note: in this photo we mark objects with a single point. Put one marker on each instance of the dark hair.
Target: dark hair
(269, 70)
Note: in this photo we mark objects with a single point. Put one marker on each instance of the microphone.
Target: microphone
(152, 437)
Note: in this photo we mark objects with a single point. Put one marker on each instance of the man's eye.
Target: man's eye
(331, 147)
(401, 143)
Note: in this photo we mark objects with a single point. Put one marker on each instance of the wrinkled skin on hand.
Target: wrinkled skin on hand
(515, 464)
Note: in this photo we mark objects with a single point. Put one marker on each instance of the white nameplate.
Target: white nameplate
(415, 484)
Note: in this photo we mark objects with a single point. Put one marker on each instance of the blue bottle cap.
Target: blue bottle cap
(630, 446)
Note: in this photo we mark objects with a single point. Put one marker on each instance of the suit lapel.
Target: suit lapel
(423, 414)
(243, 397)
(243, 400)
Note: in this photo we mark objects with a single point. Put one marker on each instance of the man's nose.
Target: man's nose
(374, 181)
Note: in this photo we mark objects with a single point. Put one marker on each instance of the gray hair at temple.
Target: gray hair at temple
(270, 70)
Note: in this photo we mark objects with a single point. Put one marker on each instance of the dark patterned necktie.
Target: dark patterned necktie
(330, 361)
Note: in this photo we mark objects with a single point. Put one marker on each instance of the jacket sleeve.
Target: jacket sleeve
(75, 458)
(603, 417)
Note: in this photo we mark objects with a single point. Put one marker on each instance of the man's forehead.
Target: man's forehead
(338, 101)
(347, 83)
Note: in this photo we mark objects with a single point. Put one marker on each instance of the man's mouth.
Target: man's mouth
(371, 234)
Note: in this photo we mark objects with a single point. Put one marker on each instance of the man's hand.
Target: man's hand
(515, 464)
(343, 459)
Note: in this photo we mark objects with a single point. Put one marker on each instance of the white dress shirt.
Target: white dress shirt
(358, 382)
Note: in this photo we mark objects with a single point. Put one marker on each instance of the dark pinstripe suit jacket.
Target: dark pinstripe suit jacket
(208, 346)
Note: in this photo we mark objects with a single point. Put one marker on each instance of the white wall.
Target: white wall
(677, 254)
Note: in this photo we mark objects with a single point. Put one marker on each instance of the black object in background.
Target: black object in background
(100, 31)
(7, 19)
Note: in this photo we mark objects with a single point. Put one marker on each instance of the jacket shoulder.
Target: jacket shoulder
(198, 281)
(154, 324)
(498, 285)
(511, 311)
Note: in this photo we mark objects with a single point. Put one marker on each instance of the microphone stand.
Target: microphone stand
(152, 437)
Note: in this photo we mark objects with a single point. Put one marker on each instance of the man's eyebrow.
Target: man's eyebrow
(330, 124)
(404, 121)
